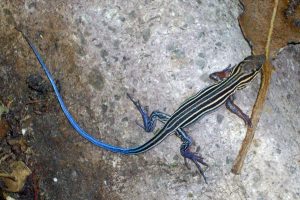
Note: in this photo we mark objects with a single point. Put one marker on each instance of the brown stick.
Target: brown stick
(258, 106)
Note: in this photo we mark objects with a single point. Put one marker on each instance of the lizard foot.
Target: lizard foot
(196, 159)
(148, 123)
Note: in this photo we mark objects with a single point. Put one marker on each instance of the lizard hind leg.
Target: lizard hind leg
(196, 158)
(149, 121)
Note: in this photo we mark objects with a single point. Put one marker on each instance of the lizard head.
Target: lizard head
(247, 70)
(252, 64)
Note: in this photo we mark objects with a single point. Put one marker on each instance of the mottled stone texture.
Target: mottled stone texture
(161, 52)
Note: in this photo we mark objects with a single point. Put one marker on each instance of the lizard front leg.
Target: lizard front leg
(236, 110)
(221, 75)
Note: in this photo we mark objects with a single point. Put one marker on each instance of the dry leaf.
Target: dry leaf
(4, 128)
(255, 24)
(268, 26)
(15, 181)
(20, 142)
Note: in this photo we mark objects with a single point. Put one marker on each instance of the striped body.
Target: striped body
(204, 102)
(191, 110)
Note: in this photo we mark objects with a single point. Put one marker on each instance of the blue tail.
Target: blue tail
(70, 118)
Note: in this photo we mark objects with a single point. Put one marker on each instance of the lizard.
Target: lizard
(227, 82)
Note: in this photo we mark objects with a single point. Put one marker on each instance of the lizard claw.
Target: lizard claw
(140, 125)
(143, 110)
(186, 163)
(135, 102)
(197, 160)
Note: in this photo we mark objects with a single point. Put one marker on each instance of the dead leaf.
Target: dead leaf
(20, 142)
(255, 24)
(4, 128)
(15, 181)
(262, 94)
(3, 109)
(268, 26)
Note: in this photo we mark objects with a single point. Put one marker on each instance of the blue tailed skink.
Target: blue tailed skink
(205, 101)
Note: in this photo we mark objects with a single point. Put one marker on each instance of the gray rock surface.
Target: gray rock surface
(161, 52)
